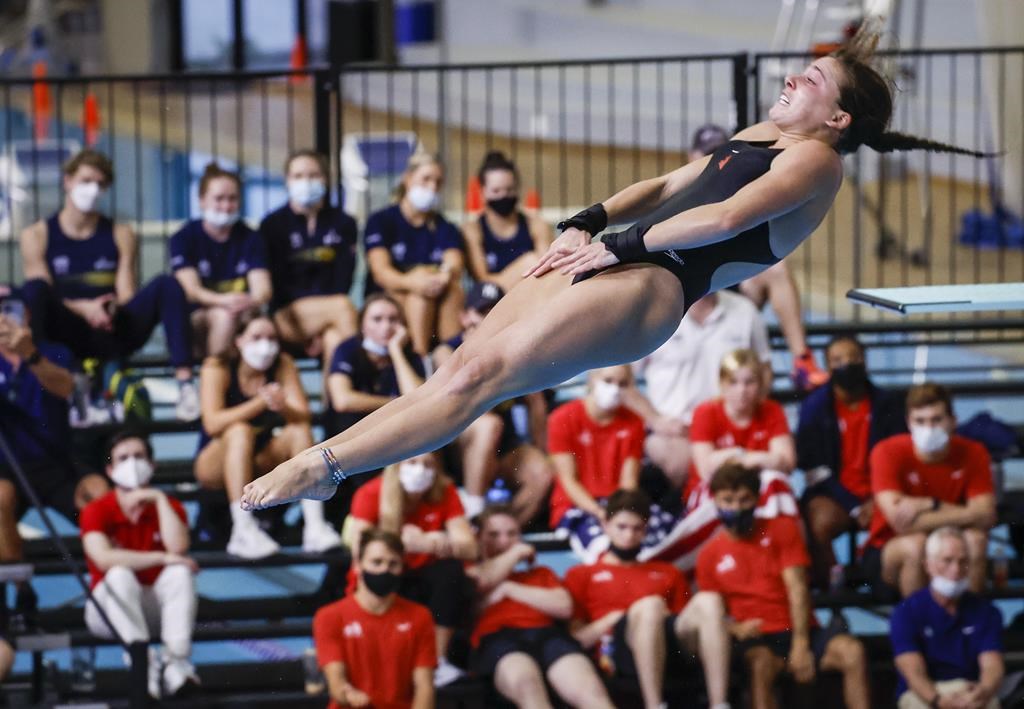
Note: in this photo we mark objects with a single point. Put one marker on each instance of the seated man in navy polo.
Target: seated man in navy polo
(946, 640)
(35, 383)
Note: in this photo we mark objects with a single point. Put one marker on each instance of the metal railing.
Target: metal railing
(579, 131)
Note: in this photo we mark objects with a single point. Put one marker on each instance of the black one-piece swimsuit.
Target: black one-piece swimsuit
(732, 166)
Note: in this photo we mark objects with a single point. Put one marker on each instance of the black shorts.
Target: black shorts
(779, 643)
(546, 645)
(834, 490)
(55, 485)
(676, 656)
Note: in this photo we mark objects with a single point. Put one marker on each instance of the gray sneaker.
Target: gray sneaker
(187, 408)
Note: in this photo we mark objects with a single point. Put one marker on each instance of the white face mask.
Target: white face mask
(948, 588)
(929, 439)
(423, 199)
(607, 396)
(306, 192)
(260, 354)
(218, 219)
(84, 196)
(131, 473)
(374, 348)
(415, 477)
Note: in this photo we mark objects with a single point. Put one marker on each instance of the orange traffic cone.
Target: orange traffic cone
(532, 200)
(299, 58)
(41, 100)
(474, 198)
(91, 119)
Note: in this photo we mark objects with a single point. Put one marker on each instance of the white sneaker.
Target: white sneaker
(187, 408)
(319, 537)
(446, 673)
(178, 672)
(248, 541)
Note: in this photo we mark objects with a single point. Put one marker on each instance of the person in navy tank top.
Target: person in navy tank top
(82, 285)
(415, 255)
(255, 415)
(586, 305)
(311, 253)
(504, 241)
(219, 261)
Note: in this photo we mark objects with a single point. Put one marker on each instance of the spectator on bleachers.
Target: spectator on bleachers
(255, 416)
(839, 426)
(373, 367)
(923, 480)
(311, 254)
(504, 241)
(507, 442)
(945, 639)
(36, 381)
(416, 500)
(639, 617)
(596, 444)
(135, 540)
(415, 255)
(683, 372)
(759, 568)
(220, 262)
(82, 285)
(518, 640)
(742, 424)
(775, 284)
(375, 647)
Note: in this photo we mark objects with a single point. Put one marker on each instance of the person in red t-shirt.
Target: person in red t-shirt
(635, 615)
(518, 639)
(375, 647)
(743, 426)
(596, 445)
(416, 500)
(839, 426)
(758, 566)
(135, 540)
(924, 480)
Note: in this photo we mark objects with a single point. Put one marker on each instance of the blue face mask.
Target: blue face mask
(739, 522)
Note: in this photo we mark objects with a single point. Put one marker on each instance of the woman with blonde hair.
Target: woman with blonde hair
(417, 501)
(415, 254)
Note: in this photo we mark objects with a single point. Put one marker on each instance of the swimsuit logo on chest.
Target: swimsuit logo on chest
(204, 267)
(296, 240)
(61, 264)
(398, 251)
(104, 264)
(332, 237)
(492, 261)
(671, 253)
(436, 255)
(241, 268)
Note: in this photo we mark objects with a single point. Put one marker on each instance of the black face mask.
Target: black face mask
(851, 378)
(624, 554)
(382, 584)
(503, 206)
(739, 522)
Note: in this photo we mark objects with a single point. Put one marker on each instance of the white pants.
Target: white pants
(909, 700)
(167, 608)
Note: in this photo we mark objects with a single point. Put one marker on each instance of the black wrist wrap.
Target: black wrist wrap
(628, 246)
(592, 220)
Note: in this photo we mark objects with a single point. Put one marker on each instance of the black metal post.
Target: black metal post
(739, 90)
(138, 675)
(238, 36)
(176, 35)
(323, 84)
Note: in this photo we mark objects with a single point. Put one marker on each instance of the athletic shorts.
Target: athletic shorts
(546, 645)
(779, 643)
(834, 490)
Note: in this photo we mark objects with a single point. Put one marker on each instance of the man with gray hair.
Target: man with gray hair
(945, 639)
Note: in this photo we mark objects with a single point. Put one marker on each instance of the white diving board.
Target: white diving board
(942, 299)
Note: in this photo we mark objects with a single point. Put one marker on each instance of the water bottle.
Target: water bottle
(314, 682)
(499, 494)
(83, 669)
(605, 661)
(80, 404)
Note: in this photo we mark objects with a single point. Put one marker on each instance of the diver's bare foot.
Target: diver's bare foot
(302, 477)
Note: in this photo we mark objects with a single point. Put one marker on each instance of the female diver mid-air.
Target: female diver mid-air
(702, 227)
